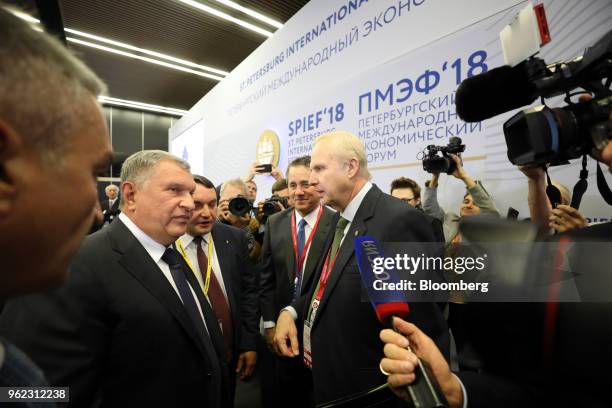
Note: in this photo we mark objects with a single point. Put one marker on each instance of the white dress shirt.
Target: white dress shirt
(348, 214)
(188, 243)
(156, 251)
(311, 219)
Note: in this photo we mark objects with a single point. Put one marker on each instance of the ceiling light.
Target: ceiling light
(220, 14)
(31, 19)
(142, 58)
(251, 13)
(145, 51)
(140, 106)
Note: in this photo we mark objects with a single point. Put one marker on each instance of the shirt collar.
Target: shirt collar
(310, 218)
(351, 209)
(154, 248)
(187, 239)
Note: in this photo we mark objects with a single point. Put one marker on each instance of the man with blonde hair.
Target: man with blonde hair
(343, 350)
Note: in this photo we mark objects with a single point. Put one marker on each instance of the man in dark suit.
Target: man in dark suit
(341, 342)
(219, 257)
(110, 207)
(53, 143)
(293, 244)
(130, 327)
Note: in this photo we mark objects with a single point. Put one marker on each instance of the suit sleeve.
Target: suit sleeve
(66, 332)
(249, 301)
(267, 278)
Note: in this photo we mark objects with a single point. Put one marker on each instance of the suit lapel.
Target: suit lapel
(225, 252)
(287, 242)
(347, 249)
(137, 262)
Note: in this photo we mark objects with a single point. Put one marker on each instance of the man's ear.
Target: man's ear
(353, 167)
(11, 147)
(128, 194)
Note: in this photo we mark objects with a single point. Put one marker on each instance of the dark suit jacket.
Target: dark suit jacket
(110, 211)
(277, 268)
(346, 348)
(117, 333)
(239, 279)
(509, 339)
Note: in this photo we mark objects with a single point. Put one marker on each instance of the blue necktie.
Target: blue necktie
(301, 241)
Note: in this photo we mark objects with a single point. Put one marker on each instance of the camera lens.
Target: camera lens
(239, 206)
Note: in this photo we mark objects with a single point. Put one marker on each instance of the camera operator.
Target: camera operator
(255, 169)
(561, 218)
(229, 190)
(279, 201)
(251, 190)
(476, 201)
(409, 191)
(516, 376)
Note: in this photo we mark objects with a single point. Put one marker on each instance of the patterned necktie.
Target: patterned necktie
(301, 241)
(217, 299)
(342, 223)
(173, 259)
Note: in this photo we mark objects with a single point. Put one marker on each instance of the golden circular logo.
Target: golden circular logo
(268, 148)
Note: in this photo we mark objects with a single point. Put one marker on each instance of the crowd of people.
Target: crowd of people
(188, 288)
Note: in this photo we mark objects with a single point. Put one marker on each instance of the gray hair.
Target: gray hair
(44, 88)
(236, 183)
(138, 167)
(111, 186)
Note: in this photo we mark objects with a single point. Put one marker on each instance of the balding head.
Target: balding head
(339, 168)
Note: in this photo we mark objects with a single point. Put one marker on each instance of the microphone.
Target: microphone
(494, 92)
(424, 390)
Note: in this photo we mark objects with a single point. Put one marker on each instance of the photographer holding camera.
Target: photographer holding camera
(476, 201)
(234, 209)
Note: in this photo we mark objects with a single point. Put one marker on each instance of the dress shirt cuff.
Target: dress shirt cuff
(269, 325)
(463, 392)
(291, 310)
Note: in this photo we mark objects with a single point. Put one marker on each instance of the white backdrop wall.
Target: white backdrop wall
(387, 71)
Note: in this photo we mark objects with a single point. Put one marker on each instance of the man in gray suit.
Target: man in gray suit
(293, 244)
(53, 144)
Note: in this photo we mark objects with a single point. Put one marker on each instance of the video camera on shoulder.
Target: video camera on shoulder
(272, 205)
(434, 163)
(543, 135)
(240, 206)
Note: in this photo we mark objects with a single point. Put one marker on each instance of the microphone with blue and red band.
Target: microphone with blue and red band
(424, 390)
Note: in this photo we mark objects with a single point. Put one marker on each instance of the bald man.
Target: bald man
(343, 330)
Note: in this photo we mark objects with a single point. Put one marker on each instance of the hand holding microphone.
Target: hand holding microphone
(422, 388)
(403, 349)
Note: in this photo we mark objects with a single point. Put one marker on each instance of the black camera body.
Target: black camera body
(434, 163)
(542, 135)
(271, 205)
(240, 206)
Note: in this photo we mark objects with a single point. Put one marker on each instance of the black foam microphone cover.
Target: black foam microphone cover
(494, 92)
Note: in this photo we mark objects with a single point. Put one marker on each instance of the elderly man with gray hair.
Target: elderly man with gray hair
(131, 326)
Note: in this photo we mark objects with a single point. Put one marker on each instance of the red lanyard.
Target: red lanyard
(300, 262)
(325, 274)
